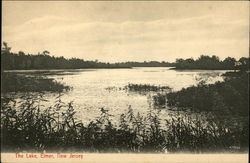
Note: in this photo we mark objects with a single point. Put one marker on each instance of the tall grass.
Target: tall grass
(28, 126)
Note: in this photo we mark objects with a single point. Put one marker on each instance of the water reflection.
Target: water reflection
(103, 88)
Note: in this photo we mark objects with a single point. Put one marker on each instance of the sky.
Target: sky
(112, 31)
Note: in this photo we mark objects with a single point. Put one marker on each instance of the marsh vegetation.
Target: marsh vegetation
(27, 126)
(228, 97)
(146, 88)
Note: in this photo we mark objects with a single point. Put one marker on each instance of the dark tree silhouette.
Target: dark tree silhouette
(212, 63)
(44, 60)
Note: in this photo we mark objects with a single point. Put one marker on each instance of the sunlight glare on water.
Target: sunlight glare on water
(89, 92)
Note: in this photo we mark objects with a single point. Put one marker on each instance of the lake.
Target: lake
(103, 88)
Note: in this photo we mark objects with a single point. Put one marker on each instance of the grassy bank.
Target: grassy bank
(26, 126)
(229, 97)
(13, 82)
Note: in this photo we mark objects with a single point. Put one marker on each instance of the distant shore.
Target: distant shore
(174, 68)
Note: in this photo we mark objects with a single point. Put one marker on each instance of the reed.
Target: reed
(28, 126)
(146, 88)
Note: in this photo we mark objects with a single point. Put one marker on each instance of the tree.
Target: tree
(46, 52)
(5, 48)
(229, 62)
(244, 64)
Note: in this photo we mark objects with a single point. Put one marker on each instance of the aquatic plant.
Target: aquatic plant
(146, 87)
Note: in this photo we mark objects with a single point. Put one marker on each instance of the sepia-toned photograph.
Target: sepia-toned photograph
(124, 77)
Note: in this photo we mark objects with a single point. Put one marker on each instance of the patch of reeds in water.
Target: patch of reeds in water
(146, 88)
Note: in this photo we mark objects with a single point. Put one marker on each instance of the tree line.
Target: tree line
(213, 63)
(20, 60)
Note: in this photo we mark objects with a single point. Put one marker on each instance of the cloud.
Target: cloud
(162, 39)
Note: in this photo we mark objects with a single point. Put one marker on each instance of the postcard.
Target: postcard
(125, 81)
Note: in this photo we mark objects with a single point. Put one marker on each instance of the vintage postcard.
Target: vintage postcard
(125, 81)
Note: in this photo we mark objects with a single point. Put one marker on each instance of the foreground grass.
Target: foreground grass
(26, 126)
(13, 82)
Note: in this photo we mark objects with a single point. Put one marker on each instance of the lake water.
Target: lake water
(90, 92)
